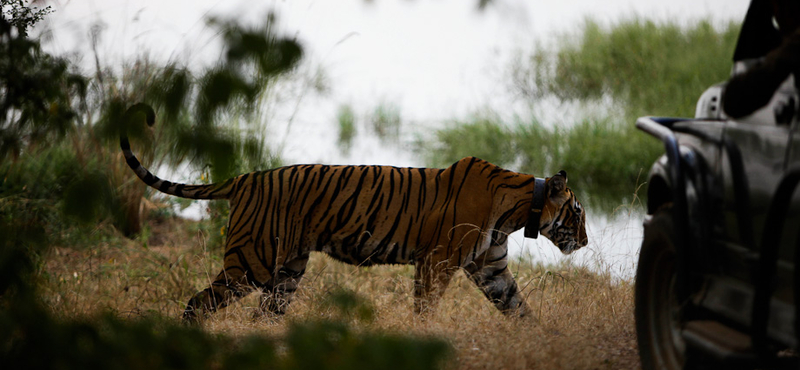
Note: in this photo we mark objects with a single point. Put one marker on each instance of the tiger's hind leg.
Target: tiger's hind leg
(491, 274)
(229, 286)
(277, 293)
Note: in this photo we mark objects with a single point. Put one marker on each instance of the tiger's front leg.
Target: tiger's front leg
(491, 274)
(430, 281)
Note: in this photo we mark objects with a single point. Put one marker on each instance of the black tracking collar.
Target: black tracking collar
(537, 204)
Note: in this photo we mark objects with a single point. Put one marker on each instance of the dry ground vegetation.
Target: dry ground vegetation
(580, 319)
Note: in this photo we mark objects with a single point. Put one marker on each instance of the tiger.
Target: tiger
(439, 220)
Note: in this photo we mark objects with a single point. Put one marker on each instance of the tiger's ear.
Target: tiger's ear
(557, 184)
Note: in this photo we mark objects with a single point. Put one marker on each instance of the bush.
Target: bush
(347, 127)
(386, 122)
(646, 67)
(481, 137)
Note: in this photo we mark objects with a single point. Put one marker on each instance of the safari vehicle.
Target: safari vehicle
(717, 282)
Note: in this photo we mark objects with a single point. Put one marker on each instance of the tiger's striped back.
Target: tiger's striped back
(374, 214)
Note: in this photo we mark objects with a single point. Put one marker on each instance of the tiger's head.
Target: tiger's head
(563, 218)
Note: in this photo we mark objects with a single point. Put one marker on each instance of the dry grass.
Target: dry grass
(581, 320)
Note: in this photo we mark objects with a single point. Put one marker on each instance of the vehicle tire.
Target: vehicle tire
(657, 309)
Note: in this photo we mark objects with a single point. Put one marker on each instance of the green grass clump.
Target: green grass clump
(646, 67)
(481, 137)
(608, 162)
(346, 119)
(605, 162)
(385, 122)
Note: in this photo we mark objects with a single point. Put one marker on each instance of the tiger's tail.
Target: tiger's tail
(209, 191)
